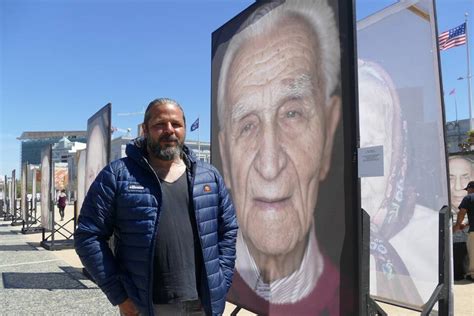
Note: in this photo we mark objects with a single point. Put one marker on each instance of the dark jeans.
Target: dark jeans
(192, 308)
(459, 257)
(61, 211)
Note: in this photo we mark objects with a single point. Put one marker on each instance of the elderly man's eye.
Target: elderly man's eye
(247, 128)
(292, 114)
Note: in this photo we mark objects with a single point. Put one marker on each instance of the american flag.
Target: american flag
(453, 37)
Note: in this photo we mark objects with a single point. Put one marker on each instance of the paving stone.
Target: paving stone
(33, 281)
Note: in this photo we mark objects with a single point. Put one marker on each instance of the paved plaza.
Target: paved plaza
(36, 281)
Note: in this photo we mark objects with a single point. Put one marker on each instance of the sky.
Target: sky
(62, 60)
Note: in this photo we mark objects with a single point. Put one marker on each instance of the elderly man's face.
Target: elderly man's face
(277, 137)
(460, 172)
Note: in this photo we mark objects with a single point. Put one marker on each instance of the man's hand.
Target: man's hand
(459, 225)
(456, 228)
(127, 308)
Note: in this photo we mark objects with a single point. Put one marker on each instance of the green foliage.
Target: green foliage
(470, 137)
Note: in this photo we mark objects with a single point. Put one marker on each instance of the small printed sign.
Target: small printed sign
(370, 161)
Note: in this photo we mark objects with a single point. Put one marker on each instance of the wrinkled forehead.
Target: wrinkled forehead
(284, 50)
(459, 166)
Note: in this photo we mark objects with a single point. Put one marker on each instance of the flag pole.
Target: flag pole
(456, 107)
(457, 123)
(199, 144)
(468, 74)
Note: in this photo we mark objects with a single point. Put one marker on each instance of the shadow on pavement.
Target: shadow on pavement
(11, 232)
(45, 280)
(18, 248)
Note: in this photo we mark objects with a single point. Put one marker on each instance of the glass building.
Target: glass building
(33, 142)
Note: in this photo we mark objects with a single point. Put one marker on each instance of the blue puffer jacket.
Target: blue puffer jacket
(125, 200)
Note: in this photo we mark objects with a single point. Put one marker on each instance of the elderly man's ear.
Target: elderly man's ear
(224, 159)
(332, 115)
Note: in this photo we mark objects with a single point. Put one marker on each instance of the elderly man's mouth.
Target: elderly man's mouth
(272, 204)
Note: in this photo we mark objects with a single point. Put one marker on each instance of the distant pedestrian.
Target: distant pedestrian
(467, 207)
(62, 203)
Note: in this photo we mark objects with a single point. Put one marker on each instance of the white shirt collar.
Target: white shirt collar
(289, 289)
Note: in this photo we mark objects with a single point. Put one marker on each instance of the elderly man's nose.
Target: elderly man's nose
(270, 159)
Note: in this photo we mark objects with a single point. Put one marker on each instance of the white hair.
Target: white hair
(320, 17)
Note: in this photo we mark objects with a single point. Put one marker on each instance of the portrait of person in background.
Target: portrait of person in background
(81, 177)
(390, 200)
(460, 173)
(46, 187)
(98, 137)
(278, 110)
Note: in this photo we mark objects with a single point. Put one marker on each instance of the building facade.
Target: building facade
(65, 148)
(118, 145)
(32, 143)
(201, 149)
(456, 135)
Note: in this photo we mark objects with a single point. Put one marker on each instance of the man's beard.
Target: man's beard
(166, 153)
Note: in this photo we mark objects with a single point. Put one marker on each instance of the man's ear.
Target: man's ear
(332, 116)
(224, 158)
(144, 130)
(141, 129)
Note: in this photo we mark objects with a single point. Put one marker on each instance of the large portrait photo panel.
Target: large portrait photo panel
(46, 187)
(13, 208)
(81, 177)
(400, 108)
(283, 136)
(24, 191)
(6, 196)
(98, 143)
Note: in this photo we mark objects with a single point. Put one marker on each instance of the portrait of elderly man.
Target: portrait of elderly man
(460, 173)
(278, 109)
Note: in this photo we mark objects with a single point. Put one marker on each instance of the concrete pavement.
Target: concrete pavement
(36, 281)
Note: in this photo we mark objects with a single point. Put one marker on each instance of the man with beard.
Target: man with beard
(173, 223)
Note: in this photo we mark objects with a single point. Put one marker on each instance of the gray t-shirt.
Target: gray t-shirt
(176, 268)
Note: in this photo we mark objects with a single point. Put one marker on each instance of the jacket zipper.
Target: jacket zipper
(193, 176)
(152, 248)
